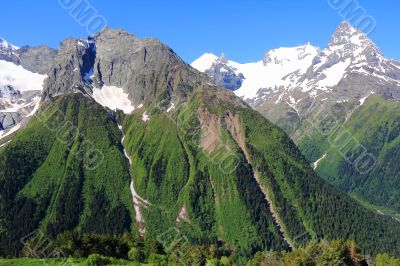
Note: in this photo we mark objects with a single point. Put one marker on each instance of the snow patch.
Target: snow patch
(279, 99)
(171, 107)
(315, 165)
(293, 104)
(334, 74)
(145, 117)
(113, 98)
(4, 144)
(7, 45)
(136, 199)
(138, 214)
(342, 101)
(36, 101)
(15, 107)
(19, 78)
(362, 100)
(14, 129)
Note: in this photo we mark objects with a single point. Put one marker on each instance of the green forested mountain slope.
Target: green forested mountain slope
(46, 183)
(376, 127)
(191, 157)
(286, 205)
(269, 199)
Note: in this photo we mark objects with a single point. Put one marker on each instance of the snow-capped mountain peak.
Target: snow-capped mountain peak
(351, 42)
(278, 68)
(19, 87)
(223, 71)
(204, 62)
(19, 93)
(344, 33)
(8, 51)
(222, 59)
(349, 68)
(350, 51)
(6, 45)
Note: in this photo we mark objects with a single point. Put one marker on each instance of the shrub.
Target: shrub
(224, 261)
(386, 260)
(97, 260)
(135, 254)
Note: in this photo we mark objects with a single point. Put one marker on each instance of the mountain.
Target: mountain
(289, 80)
(376, 125)
(35, 59)
(22, 72)
(182, 154)
(329, 84)
(268, 74)
(19, 92)
(220, 70)
(111, 62)
(7, 50)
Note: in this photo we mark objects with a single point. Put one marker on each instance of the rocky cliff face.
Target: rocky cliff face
(144, 68)
(35, 59)
(8, 51)
(66, 70)
(14, 105)
(225, 75)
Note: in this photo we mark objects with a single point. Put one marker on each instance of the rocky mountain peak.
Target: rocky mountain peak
(222, 59)
(6, 45)
(224, 74)
(351, 40)
(8, 51)
(35, 59)
(343, 31)
(114, 57)
(349, 51)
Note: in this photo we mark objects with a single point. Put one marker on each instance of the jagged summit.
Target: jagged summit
(224, 74)
(223, 59)
(288, 79)
(350, 39)
(125, 61)
(6, 45)
(345, 29)
(8, 51)
(308, 68)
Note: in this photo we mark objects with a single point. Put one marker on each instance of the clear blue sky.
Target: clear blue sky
(243, 29)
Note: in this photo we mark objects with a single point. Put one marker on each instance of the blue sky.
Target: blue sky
(243, 29)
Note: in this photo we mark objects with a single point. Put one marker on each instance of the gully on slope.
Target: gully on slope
(137, 200)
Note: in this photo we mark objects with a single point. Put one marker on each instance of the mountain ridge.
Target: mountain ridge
(208, 163)
(311, 104)
(348, 49)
